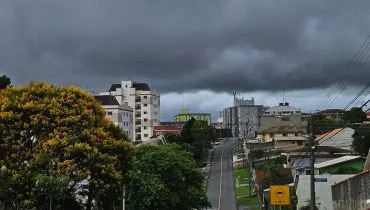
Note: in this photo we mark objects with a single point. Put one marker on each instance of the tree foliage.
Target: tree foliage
(355, 115)
(256, 154)
(196, 138)
(59, 132)
(165, 177)
(322, 124)
(4, 82)
(361, 139)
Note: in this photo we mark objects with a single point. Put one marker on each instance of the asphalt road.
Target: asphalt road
(220, 188)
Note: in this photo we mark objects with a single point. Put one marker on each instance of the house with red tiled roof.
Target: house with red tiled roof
(339, 138)
(167, 129)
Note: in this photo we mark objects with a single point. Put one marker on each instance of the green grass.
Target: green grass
(242, 192)
(242, 175)
(249, 201)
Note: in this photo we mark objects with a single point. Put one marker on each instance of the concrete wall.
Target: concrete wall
(323, 190)
(352, 193)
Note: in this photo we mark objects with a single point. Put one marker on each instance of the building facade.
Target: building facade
(167, 129)
(120, 115)
(185, 115)
(145, 104)
(243, 118)
(282, 110)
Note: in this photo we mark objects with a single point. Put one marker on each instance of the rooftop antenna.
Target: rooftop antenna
(234, 93)
(283, 95)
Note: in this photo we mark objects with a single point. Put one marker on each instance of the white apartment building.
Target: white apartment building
(145, 104)
(120, 115)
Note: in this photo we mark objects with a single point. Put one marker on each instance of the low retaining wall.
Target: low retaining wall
(352, 193)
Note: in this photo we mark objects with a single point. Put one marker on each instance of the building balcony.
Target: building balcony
(138, 122)
(137, 99)
(138, 115)
(137, 107)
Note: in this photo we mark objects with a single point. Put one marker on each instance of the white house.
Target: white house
(281, 110)
(120, 115)
(145, 104)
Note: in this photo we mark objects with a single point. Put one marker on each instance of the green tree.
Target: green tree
(60, 132)
(165, 177)
(172, 138)
(361, 140)
(322, 124)
(355, 115)
(256, 154)
(4, 82)
(51, 188)
(196, 137)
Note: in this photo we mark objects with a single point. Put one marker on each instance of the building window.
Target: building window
(145, 105)
(109, 113)
(145, 112)
(145, 120)
(284, 134)
(145, 97)
(299, 143)
(145, 135)
(293, 142)
(145, 127)
(296, 134)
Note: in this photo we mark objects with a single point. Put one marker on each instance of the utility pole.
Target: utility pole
(123, 196)
(312, 175)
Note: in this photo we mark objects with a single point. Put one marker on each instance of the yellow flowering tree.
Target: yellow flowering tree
(59, 132)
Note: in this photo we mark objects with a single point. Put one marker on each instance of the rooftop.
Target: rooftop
(330, 111)
(141, 86)
(184, 114)
(107, 100)
(336, 161)
(319, 149)
(114, 87)
(137, 86)
(329, 134)
(282, 108)
(168, 128)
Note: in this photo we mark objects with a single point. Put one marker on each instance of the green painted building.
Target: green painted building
(185, 115)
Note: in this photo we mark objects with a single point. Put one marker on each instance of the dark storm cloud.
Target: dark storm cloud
(184, 45)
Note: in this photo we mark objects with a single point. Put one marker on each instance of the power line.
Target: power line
(358, 63)
(357, 96)
(336, 86)
(336, 89)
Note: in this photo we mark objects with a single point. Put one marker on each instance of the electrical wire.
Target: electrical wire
(335, 90)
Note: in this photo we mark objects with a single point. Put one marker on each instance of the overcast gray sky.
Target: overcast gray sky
(195, 50)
